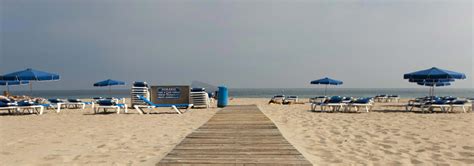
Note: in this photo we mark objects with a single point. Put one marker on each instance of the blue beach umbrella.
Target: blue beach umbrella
(109, 83)
(438, 84)
(30, 75)
(327, 81)
(434, 73)
(434, 77)
(12, 83)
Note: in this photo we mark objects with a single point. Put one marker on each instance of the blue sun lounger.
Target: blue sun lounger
(152, 105)
(110, 104)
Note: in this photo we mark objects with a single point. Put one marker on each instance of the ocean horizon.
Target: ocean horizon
(267, 92)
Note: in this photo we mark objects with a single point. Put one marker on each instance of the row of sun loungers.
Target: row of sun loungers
(444, 104)
(56, 104)
(97, 104)
(282, 99)
(387, 98)
(16, 107)
(342, 104)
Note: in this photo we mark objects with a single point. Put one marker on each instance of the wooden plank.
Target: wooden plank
(236, 135)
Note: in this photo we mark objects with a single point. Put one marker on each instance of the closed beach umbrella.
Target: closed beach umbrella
(434, 77)
(12, 83)
(109, 83)
(30, 75)
(327, 81)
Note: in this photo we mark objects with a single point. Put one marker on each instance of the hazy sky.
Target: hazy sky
(239, 43)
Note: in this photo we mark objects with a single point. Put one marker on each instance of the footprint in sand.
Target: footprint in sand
(415, 161)
(389, 141)
(420, 150)
(101, 146)
(468, 148)
(466, 154)
(449, 154)
(467, 161)
(6, 153)
(51, 157)
(76, 157)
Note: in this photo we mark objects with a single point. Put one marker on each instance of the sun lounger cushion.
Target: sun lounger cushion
(55, 100)
(139, 84)
(106, 102)
(450, 98)
(440, 102)
(26, 103)
(2, 104)
(197, 90)
(459, 102)
(5, 100)
(97, 98)
(362, 101)
(335, 99)
(74, 100)
(170, 105)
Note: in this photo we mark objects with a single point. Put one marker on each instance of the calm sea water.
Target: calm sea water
(267, 93)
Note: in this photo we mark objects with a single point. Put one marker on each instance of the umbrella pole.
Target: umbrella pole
(110, 91)
(8, 88)
(325, 90)
(31, 89)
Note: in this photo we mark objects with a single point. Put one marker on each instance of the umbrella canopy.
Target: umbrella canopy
(12, 83)
(109, 82)
(434, 73)
(9, 83)
(30, 75)
(434, 84)
(327, 81)
(434, 77)
(431, 80)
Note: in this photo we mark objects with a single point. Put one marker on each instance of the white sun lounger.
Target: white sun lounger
(32, 109)
(151, 105)
(367, 105)
(116, 107)
(10, 108)
(333, 106)
(200, 99)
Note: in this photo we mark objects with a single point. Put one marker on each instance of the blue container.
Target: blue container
(222, 97)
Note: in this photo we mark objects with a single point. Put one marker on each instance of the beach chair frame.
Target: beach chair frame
(141, 108)
(32, 109)
(117, 107)
(151, 106)
(15, 108)
(368, 107)
(334, 107)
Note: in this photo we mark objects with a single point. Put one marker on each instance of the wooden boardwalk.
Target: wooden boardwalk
(236, 135)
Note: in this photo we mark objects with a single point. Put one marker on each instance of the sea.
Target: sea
(269, 92)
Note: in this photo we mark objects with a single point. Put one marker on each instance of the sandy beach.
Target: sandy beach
(76, 137)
